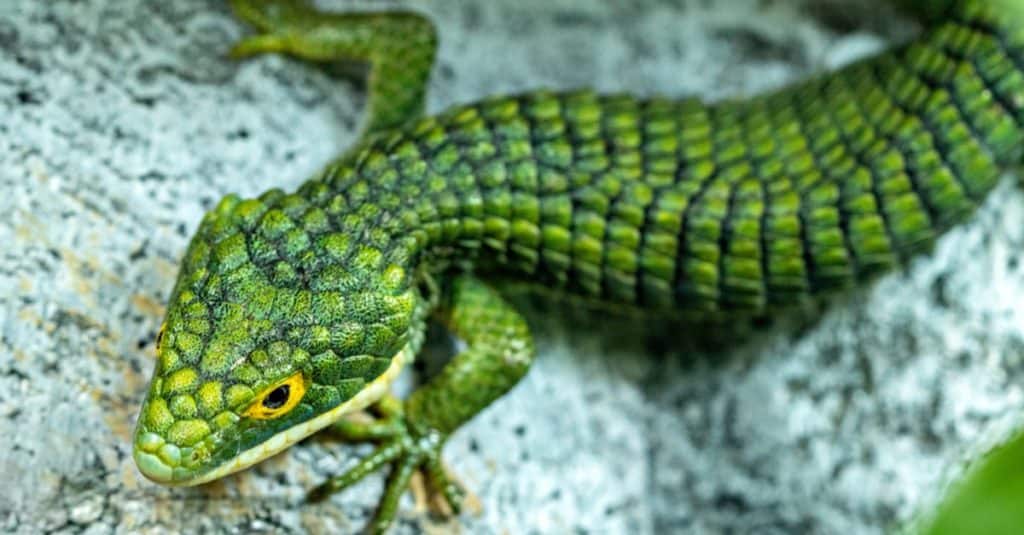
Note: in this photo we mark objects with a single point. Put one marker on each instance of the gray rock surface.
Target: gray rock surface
(122, 122)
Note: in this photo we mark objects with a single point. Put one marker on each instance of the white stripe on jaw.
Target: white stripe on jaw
(277, 443)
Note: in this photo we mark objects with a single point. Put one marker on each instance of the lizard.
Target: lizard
(292, 311)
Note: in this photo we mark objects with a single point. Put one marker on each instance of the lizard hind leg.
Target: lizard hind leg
(399, 46)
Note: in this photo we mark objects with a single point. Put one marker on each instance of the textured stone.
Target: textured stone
(122, 124)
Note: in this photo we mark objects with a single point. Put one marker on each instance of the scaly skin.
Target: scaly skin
(292, 310)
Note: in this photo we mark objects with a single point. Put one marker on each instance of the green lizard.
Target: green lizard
(293, 310)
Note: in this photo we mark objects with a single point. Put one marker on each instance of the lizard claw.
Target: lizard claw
(408, 448)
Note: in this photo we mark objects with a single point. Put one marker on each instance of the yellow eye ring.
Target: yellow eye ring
(278, 399)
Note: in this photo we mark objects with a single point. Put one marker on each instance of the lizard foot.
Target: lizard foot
(409, 448)
(398, 45)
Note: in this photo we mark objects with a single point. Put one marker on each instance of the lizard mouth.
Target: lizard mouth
(167, 464)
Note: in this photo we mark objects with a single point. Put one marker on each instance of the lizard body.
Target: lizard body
(294, 309)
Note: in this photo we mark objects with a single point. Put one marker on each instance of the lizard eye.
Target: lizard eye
(278, 399)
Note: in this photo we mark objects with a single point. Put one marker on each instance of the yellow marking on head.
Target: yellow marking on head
(278, 399)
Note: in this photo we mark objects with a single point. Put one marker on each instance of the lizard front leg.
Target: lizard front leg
(412, 434)
(399, 46)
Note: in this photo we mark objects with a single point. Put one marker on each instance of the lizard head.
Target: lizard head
(277, 325)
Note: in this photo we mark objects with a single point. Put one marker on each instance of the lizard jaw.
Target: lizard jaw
(159, 471)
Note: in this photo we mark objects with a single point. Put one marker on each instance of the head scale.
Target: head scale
(279, 321)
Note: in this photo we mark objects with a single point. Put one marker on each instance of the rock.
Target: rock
(87, 511)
